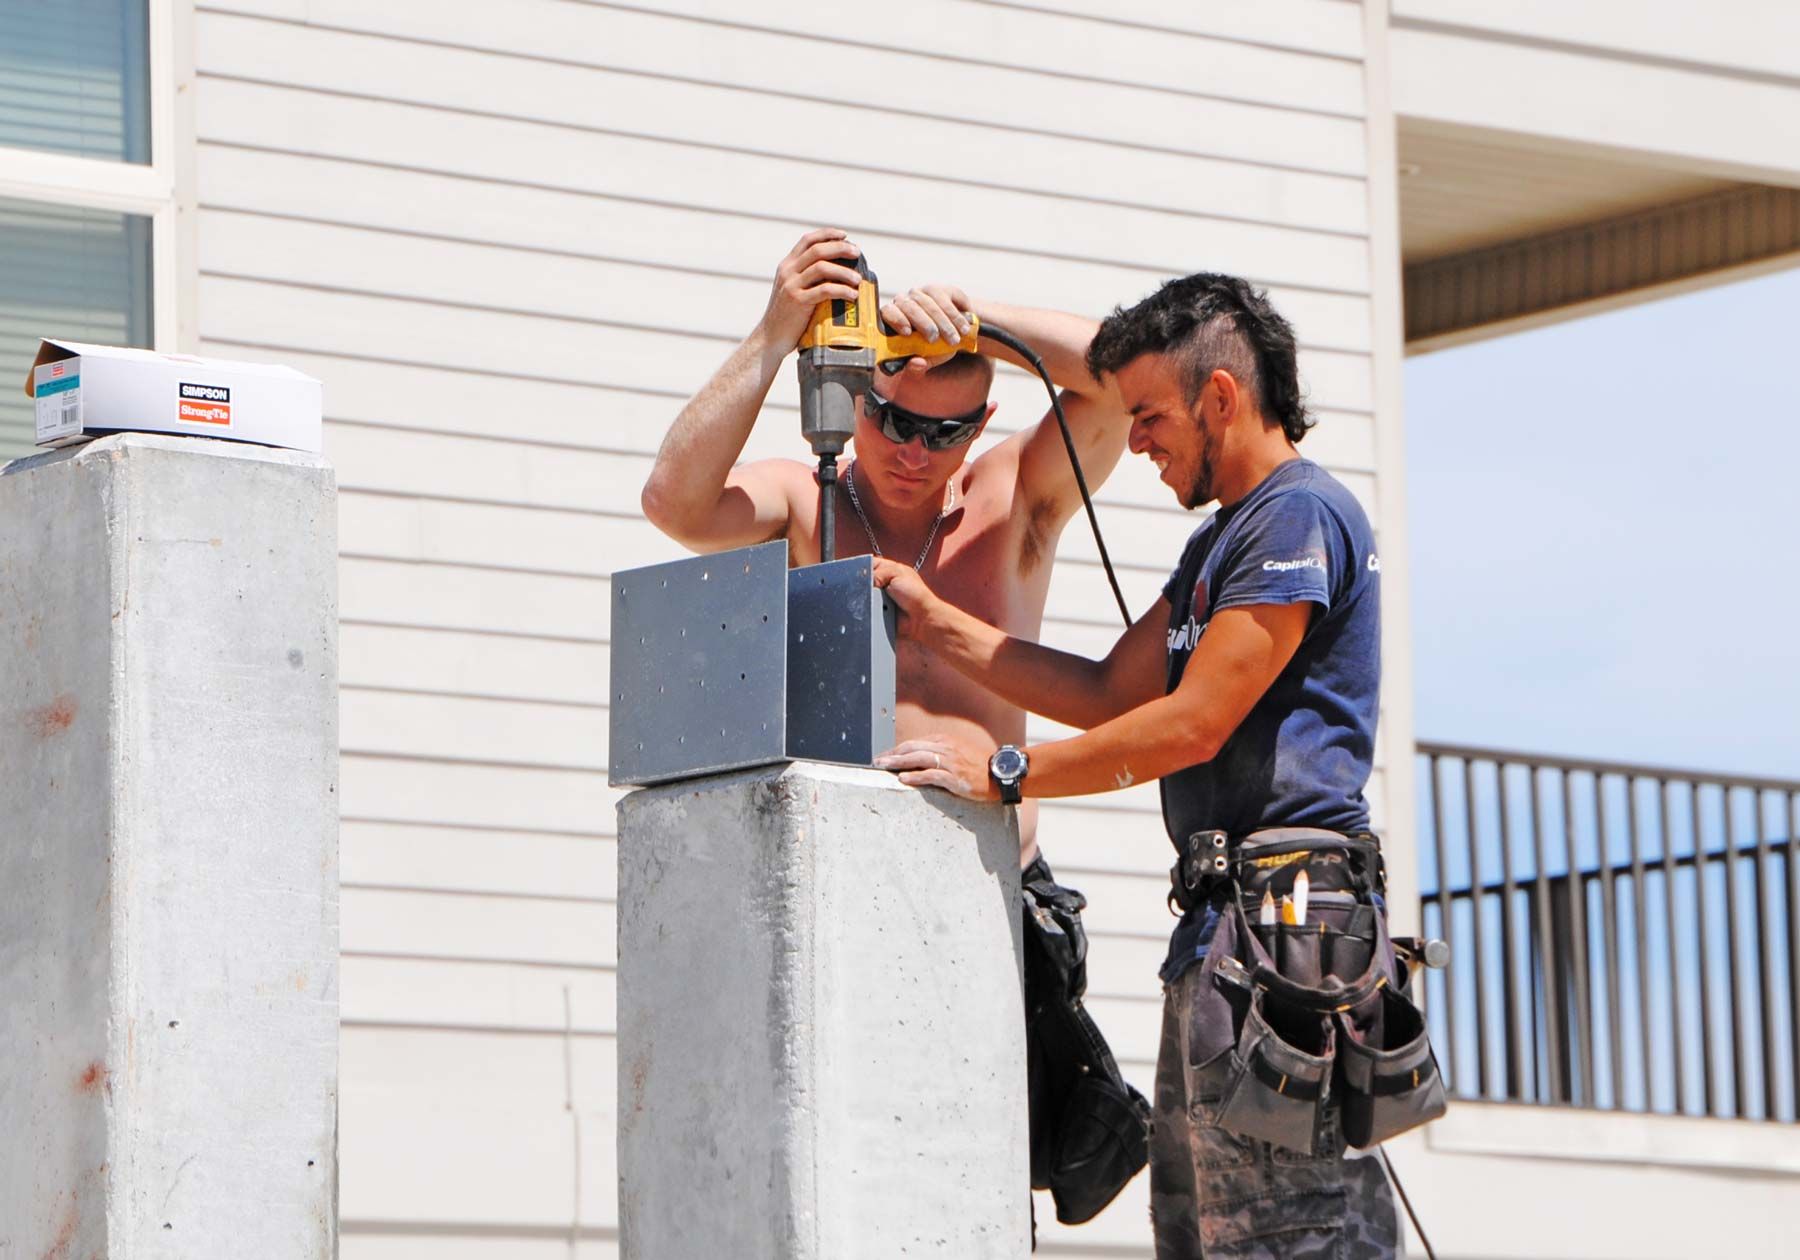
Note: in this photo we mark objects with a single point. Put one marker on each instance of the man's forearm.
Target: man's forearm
(1243, 652)
(1058, 685)
(709, 435)
(1140, 746)
(1060, 338)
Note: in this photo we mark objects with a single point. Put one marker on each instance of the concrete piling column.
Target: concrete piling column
(821, 1035)
(168, 852)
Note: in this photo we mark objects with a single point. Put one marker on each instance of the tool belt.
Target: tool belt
(1204, 867)
(1312, 1014)
(1089, 1127)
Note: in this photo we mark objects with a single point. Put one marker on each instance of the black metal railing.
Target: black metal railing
(1622, 936)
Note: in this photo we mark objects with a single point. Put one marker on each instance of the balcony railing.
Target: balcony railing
(1622, 936)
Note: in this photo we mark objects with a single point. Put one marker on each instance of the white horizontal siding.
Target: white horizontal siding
(429, 992)
(723, 241)
(1044, 68)
(1760, 38)
(947, 146)
(406, 135)
(480, 927)
(533, 605)
(476, 1129)
(439, 662)
(391, 1240)
(407, 261)
(386, 788)
(1323, 26)
(392, 855)
(511, 249)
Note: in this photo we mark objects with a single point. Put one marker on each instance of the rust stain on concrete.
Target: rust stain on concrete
(94, 1079)
(53, 718)
(65, 1234)
(640, 1073)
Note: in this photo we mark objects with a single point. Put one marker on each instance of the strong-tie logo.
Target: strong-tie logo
(204, 404)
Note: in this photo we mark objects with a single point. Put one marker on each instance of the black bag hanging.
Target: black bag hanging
(1090, 1129)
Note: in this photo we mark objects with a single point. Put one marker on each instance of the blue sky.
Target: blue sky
(1603, 534)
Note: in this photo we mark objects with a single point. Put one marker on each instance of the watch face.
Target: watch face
(1009, 763)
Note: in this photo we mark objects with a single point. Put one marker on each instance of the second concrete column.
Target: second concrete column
(821, 1036)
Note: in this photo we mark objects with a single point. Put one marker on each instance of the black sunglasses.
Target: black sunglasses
(939, 433)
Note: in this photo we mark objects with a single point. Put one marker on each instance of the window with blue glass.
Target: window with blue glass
(74, 78)
(65, 272)
(74, 82)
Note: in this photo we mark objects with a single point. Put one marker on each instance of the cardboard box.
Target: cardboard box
(84, 391)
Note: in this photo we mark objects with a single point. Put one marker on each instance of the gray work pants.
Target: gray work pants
(1216, 1196)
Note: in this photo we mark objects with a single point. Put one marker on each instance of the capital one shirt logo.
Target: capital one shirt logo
(1288, 566)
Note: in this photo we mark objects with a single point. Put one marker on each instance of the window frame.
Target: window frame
(160, 190)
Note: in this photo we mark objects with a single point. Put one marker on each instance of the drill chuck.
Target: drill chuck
(831, 380)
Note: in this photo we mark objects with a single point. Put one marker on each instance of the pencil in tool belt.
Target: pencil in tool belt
(1302, 887)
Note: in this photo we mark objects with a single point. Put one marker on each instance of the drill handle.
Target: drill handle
(844, 325)
(892, 351)
(858, 326)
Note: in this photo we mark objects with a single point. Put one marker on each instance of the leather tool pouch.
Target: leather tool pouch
(1310, 1012)
(1280, 1078)
(1391, 1081)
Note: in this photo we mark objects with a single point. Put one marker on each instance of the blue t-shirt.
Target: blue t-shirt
(1303, 754)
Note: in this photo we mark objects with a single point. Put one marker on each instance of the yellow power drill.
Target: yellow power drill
(839, 353)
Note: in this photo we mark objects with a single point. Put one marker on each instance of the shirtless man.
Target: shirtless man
(982, 532)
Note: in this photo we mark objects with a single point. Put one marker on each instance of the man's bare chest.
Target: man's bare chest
(982, 568)
(986, 557)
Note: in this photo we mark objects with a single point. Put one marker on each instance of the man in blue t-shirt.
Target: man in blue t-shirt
(1250, 690)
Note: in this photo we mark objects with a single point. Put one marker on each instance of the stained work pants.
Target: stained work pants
(1216, 1196)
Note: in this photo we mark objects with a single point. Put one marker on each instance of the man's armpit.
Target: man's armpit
(1037, 542)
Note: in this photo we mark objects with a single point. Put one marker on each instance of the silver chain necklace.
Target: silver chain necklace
(949, 503)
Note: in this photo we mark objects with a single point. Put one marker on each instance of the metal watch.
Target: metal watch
(1007, 768)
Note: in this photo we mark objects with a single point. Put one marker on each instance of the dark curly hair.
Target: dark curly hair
(1210, 321)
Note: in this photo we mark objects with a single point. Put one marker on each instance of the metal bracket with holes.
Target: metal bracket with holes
(733, 660)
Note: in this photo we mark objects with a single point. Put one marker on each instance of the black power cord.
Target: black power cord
(1030, 356)
(1406, 1203)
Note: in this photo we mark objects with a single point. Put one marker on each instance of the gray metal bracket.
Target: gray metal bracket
(733, 660)
(840, 663)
